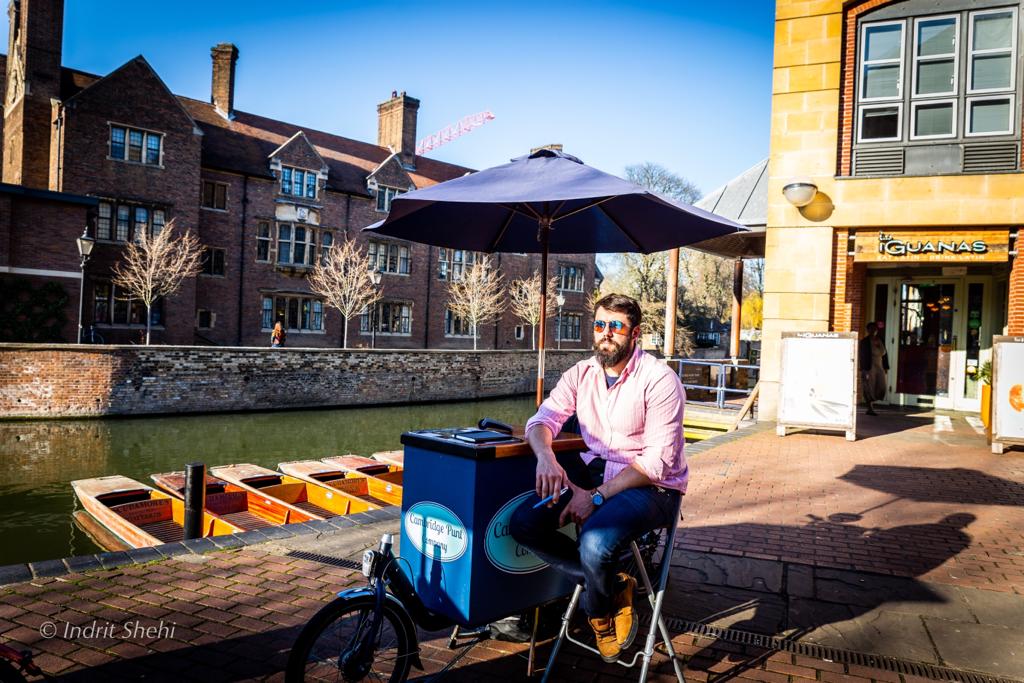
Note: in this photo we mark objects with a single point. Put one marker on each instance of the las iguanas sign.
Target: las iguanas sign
(944, 246)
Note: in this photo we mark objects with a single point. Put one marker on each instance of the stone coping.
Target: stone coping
(18, 346)
(18, 573)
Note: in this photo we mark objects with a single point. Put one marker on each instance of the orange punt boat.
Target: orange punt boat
(313, 499)
(138, 515)
(396, 459)
(366, 489)
(384, 481)
(241, 506)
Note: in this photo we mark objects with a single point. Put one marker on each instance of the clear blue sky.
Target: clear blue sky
(685, 84)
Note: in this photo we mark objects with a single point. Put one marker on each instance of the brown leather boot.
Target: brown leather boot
(604, 634)
(625, 624)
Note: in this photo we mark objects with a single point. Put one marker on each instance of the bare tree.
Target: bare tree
(707, 284)
(343, 277)
(154, 266)
(477, 297)
(524, 300)
(663, 181)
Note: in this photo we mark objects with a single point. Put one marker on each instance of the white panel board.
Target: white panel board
(1008, 389)
(818, 386)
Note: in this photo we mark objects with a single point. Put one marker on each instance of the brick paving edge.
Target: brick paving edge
(19, 573)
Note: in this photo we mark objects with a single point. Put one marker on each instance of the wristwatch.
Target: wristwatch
(597, 498)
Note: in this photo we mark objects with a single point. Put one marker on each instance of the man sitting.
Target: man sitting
(628, 482)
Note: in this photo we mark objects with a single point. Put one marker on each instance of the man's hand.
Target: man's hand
(551, 478)
(580, 507)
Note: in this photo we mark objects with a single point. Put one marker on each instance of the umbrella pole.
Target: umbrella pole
(545, 226)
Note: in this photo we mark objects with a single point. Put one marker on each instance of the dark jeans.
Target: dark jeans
(594, 558)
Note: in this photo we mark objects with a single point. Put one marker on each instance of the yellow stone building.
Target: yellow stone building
(905, 115)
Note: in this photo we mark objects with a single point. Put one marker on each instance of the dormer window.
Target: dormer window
(298, 182)
(137, 146)
(385, 195)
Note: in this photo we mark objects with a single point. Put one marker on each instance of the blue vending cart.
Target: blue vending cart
(460, 489)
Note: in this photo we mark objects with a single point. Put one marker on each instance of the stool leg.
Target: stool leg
(566, 618)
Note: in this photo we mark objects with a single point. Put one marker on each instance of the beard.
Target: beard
(610, 357)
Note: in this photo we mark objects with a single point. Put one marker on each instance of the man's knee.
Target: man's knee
(597, 548)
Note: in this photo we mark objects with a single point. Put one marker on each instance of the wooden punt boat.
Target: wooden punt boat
(394, 458)
(239, 505)
(138, 514)
(310, 498)
(316, 472)
(384, 482)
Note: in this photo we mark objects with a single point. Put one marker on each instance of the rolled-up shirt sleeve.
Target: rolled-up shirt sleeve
(559, 405)
(662, 456)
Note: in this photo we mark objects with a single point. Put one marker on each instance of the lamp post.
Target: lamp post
(560, 300)
(375, 277)
(85, 244)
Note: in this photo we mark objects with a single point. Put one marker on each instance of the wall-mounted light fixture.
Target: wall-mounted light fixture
(800, 192)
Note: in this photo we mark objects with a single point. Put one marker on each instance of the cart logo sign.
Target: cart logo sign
(435, 531)
(503, 551)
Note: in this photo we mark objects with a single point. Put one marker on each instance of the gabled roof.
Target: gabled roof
(744, 199)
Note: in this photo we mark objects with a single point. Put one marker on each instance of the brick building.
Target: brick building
(265, 197)
(904, 119)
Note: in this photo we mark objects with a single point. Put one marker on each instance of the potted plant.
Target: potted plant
(985, 377)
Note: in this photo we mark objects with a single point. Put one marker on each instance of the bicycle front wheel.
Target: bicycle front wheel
(329, 647)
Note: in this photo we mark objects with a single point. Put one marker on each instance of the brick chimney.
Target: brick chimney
(33, 83)
(396, 126)
(222, 89)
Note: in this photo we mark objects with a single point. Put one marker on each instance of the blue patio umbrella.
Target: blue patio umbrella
(547, 202)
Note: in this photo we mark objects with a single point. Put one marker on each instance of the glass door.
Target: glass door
(926, 343)
(976, 328)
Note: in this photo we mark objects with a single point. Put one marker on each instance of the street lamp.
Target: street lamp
(375, 277)
(560, 300)
(85, 245)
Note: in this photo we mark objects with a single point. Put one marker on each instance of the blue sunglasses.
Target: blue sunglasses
(617, 326)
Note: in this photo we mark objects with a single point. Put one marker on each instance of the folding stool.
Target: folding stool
(654, 597)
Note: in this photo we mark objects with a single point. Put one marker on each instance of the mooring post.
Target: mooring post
(195, 499)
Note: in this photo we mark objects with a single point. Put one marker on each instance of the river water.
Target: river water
(39, 459)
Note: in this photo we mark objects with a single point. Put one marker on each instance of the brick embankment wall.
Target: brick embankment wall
(59, 381)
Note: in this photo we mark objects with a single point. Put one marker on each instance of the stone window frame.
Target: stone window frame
(566, 274)
(209, 262)
(404, 319)
(211, 319)
(856, 16)
(132, 304)
(315, 316)
(384, 195)
(264, 239)
(213, 185)
(146, 133)
(453, 322)
(450, 268)
(309, 244)
(107, 222)
(402, 257)
(566, 323)
(519, 332)
(304, 187)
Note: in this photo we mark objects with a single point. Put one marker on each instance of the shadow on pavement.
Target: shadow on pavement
(937, 485)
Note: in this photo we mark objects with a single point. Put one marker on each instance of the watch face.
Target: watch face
(597, 498)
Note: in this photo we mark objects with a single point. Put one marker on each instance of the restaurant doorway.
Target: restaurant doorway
(938, 333)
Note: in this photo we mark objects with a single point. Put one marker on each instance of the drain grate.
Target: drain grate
(325, 559)
(831, 654)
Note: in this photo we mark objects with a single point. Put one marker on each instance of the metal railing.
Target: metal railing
(721, 387)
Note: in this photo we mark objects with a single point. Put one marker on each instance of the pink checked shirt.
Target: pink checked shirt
(639, 419)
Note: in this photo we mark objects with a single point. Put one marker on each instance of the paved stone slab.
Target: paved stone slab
(725, 570)
(875, 631)
(997, 609)
(890, 594)
(993, 649)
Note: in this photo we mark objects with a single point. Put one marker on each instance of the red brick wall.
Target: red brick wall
(1016, 306)
(61, 381)
(848, 281)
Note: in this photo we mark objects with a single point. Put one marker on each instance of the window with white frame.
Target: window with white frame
(389, 257)
(569, 329)
(138, 146)
(452, 263)
(385, 195)
(388, 318)
(456, 326)
(295, 313)
(118, 222)
(296, 244)
(570, 277)
(297, 182)
(205, 319)
(940, 77)
(116, 307)
(326, 242)
(519, 333)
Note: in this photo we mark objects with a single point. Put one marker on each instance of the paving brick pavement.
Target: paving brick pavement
(901, 545)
